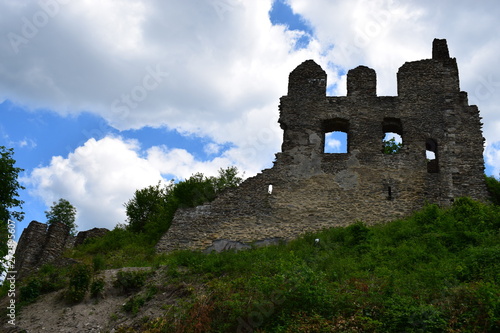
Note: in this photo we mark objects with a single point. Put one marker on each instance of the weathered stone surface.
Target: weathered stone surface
(92, 233)
(313, 190)
(39, 245)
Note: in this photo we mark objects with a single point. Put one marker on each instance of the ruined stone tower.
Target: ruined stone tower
(312, 189)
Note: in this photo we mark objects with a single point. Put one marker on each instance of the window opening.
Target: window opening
(392, 141)
(336, 140)
(270, 189)
(389, 193)
(431, 154)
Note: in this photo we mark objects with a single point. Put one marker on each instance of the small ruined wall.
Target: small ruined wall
(39, 245)
(313, 190)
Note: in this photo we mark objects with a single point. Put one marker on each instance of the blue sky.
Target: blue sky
(100, 98)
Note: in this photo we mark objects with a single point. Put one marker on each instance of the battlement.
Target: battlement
(441, 157)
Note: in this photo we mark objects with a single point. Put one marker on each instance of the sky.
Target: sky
(100, 98)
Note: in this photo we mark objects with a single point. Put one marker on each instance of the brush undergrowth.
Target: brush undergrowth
(436, 271)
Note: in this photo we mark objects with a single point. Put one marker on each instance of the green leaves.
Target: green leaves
(63, 212)
(9, 193)
(392, 147)
(152, 209)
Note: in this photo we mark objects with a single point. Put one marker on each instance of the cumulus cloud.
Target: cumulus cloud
(213, 69)
(199, 67)
(97, 178)
(100, 176)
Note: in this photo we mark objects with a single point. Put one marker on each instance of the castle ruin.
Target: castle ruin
(313, 189)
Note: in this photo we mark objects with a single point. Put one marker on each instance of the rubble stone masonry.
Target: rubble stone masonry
(312, 190)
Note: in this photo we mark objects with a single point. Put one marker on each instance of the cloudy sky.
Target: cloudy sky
(102, 97)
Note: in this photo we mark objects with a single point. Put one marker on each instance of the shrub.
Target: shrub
(97, 287)
(30, 292)
(80, 276)
(129, 281)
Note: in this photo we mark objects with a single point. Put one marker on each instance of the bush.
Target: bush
(30, 292)
(97, 287)
(493, 186)
(129, 281)
(80, 276)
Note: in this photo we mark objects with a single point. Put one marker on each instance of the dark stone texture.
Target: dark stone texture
(39, 245)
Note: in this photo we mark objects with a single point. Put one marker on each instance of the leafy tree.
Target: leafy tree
(227, 178)
(148, 204)
(9, 193)
(493, 186)
(62, 211)
(152, 209)
(391, 146)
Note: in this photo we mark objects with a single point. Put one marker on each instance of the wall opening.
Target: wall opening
(389, 193)
(431, 154)
(336, 136)
(335, 142)
(392, 141)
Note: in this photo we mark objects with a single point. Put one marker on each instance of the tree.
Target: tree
(227, 178)
(152, 209)
(9, 194)
(493, 186)
(148, 204)
(392, 147)
(62, 211)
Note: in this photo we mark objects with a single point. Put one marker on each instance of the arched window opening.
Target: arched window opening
(392, 141)
(431, 153)
(336, 140)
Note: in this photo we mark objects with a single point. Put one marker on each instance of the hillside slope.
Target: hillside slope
(436, 271)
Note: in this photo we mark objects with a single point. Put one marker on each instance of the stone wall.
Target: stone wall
(39, 245)
(312, 190)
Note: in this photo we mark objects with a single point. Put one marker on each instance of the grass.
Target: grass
(435, 271)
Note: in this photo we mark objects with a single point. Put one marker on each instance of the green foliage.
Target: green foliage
(9, 194)
(47, 279)
(29, 292)
(135, 302)
(80, 277)
(152, 209)
(129, 281)
(435, 271)
(62, 211)
(148, 205)
(493, 186)
(97, 287)
(391, 146)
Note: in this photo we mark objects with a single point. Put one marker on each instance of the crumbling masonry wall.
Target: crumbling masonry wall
(40, 244)
(312, 190)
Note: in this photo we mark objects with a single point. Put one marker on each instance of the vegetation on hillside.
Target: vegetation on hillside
(435, 271)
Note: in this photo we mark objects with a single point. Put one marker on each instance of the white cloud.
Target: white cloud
(97, 178)
(196, 66)
(215, 69)
(100, 176)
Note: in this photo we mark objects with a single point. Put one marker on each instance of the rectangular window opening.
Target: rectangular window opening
(336, 143)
